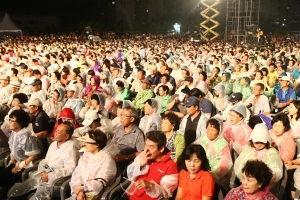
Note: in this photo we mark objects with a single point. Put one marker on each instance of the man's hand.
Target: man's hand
(145, 158)
(143, 184)
(77, 189)
(44, 176)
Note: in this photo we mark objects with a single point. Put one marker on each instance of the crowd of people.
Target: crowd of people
(177, 118)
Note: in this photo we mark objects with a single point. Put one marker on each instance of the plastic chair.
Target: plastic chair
(3, 155)
(118, 189)
(65, 190)
(115, 184)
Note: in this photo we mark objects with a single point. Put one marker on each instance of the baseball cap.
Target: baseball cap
(235, 97)
(89, 117)
(192, 101)
(260, 133)
(15, 84)
(285, 78)
(147, 81)
(86, 138)
(36, 82)
(34, 102)
(4, 77)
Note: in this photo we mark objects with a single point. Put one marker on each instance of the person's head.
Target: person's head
(95, 81)
(14, 72)
(260, 137)
(213, 128)
(194, 159)
(185, 73)
(226, 76)
(284, 81)
(258, 89)
(64, 132)
(155, 144)
(120, 85)
(259, 75)
(237, 113)
(294, 109)
(146, 84)
(256, 176)
(128, 116)
(94, 141)
(36, 85)
(265, 71)
(192, 106)
(272, 67)
(280, 124)
(170, 122)
(55, 76)
(203, 76)
(163, 90)
(151, 106)
(19, 98)
(165, 78)
(37, 74)
(141, 74)
(245, 81)
(235, 98)
(34, 106)
(18, 119)
(153, 69)
(72, 90)
(98, 99)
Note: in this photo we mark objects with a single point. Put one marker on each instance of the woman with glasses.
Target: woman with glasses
(24, 150)
(97, 102)
(259, 148)
(195, 180)
(96, 168)
(236, 131)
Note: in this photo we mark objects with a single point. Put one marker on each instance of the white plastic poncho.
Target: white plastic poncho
(297, 178)
(91, 168)
(269, 156)
(62, 160)
(152, 122)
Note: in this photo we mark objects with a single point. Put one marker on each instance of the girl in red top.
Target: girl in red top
(195, 180)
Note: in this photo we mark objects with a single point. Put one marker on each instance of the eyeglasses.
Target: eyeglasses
(12, 120)
(124, 115)
(32, 105)
(234, 116)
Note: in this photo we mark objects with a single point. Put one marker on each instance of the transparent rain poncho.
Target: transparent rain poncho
(236, 135)
(23, 145)
(297, 178)
(164, 189)
(219, 157)
(62, 161)
(153, 121)
(92, 168)
(285, 145)
(269, 156)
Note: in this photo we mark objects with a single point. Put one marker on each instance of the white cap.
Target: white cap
(89, 117)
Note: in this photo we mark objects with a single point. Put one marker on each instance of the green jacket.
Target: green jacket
(125, 95)
(179, 145)
(141, 97)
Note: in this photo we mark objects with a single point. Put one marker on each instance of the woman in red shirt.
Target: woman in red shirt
(195, 180)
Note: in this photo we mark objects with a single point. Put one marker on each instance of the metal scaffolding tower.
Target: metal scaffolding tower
(240, 14)
(209, 24)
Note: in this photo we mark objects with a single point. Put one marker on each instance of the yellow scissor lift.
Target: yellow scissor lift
(209, 33)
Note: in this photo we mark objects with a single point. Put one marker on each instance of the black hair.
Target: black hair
(36, 72)
(15, 71)
(167, 76)
(200, 153)
(158, 137)
(95, 97)
(70, 128)
(57, 75)
(284, 119)
(297, 105)
(99, 137)
(204, 74)
(197, 93)
(258, 170)
(215, 123)
(21, 116)
(268, 145)
(164, 87)
(173, 119)
(265, 70)
(23, 98)
(76, 71)
(253, 120)
(91, 72)
(120, 84)
(143, 71)
(186, 90)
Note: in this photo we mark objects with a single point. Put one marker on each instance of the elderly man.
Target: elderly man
(60, 161)
(128, 138)
(137, 83)
(154, 173)
(143, 95)
(37, 91)
(285, 95)
(5, 89)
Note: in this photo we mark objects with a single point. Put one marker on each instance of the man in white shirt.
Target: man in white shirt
(5, 89)
(258, 102)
